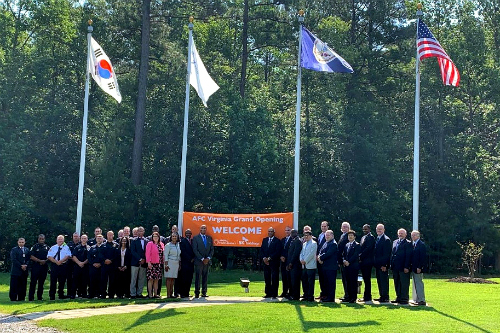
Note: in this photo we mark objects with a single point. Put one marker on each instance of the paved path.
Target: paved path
(195, 302)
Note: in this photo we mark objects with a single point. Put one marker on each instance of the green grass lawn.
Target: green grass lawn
(453, 307)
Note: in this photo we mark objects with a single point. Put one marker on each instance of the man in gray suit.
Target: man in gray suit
(203, 249)
(308, 261)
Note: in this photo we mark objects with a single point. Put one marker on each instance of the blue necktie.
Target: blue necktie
(204, 240)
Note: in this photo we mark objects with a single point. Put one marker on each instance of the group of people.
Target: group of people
(299, 259)
(103, 267)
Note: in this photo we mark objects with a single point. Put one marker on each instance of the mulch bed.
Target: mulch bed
(466, 279)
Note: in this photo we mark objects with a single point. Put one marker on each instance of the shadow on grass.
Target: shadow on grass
(461, 320)
(152, 315)
(308, 325)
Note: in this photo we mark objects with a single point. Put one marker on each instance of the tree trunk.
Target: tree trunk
(140, 111)
(244, 52)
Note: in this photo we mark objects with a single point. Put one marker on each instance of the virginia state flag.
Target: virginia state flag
(102, 71)
(317, 56)
(199, 77)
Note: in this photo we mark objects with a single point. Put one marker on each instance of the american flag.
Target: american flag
(428, 46)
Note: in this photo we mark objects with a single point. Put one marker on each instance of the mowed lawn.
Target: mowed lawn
(453, 307)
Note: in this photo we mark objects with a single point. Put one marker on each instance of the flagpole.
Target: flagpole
(416, 144)
(182, 186)
(78, 228)
(296, 180)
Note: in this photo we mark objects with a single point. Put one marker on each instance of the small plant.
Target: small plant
(471, 253)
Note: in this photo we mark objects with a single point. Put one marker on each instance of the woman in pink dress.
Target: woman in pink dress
(154, 258)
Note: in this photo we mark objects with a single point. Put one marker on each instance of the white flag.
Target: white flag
(199, 77)
(102, 71)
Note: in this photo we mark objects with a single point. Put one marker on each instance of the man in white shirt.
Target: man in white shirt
(58, 255)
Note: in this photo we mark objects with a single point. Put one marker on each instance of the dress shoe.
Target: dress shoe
(197, 296)
(327, 300)
(204, 295)
(364, 300)
(395, 301)
(421, 303)
(403, 302)
(283, 295)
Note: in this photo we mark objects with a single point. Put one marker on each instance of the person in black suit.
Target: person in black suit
(285, 274)
(381, 262)
(95, 263)
(270, 252)
(19, 256)
(138, 264)
(80, 269)
(366, 261)
(351, 266)
(203, 249)
(39, 268)
(321, 240)
(185, 277)
(294, 266)
(417, 267)
(400, 264)
(327, 258)
(123, 270)
(345, 227)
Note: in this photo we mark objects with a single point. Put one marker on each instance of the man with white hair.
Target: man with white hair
(58, 255)
(400, 264)
(417, 267)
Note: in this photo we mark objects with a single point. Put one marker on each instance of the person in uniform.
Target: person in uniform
(93, 241)
(19, 256)
(39, 268)
(95, 263)
(80, 269)
(109, 266)
(58, 255)
(72, 245)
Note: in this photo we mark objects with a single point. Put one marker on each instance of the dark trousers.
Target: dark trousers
(382, 283)
(185, 279)
(295, 278)
(80, 281)
(201, 272)
(69, 275)
(308, 277)
(94, 281)
(38, 276)
(402, 285)
(272, 279)
(344, 282)
(322, 281)
(285, 279)
(57, 280)
(330, 276)
(366, 272)
(18, 284)
(123, 283)
(351, 277)
(107, 283)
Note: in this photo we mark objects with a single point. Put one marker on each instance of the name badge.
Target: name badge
(24, 255)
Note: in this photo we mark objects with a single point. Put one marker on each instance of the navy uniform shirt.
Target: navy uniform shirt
(80, 252)
(40, 252)
(94, 254)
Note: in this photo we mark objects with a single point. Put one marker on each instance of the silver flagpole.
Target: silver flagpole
(182, 186)
(84, 135)
(416, 144)
(296, 177)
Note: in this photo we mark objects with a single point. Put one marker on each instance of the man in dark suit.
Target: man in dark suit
(285, 274)
(345, 227)
(400, 265)
(322, 240)
(270, 252)
(366, 261)
(187, 264)
(203, 249)
(19, 256)
(381, 262)
(39, 268)
(417, 267)
(351, 266)
(294, 266)
(138, 264)
(327, 258)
